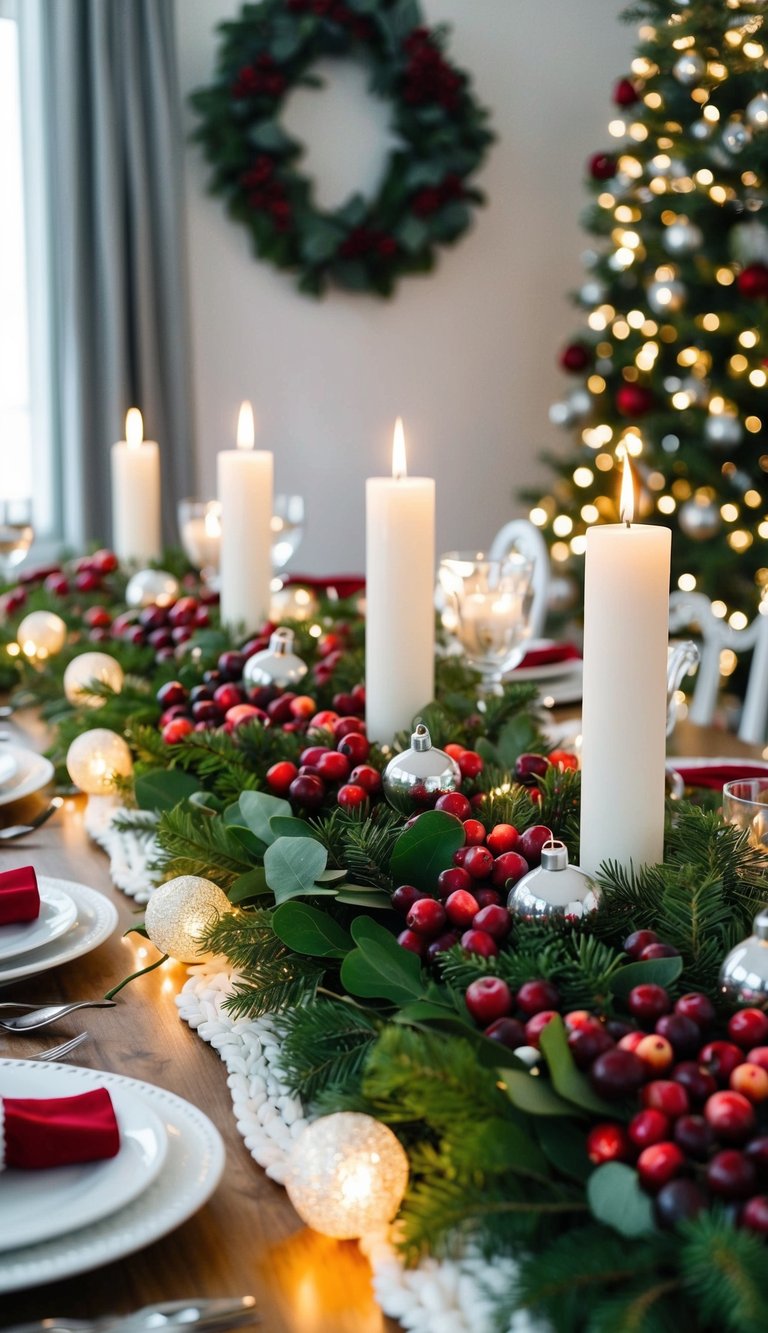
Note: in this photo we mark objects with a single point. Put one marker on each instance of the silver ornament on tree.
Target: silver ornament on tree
(702, 129)
(414, 779)
(682, 237)
(689, 68)
(699, 519)
(276, 665)
(696, 389)
(593, 292)
(555, 890)
(580, 403)
(151, 587)
(757, 111)
(723, 431)
(744, 974)
(666, 297)
(736, 136)
(748, 242)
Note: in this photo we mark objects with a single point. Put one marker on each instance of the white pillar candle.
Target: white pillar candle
(136, 494)
(245, 494)
(399, 594)
(626, 632)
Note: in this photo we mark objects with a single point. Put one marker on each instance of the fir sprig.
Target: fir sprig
(324, 1045)
(193, 844)
(270, 978)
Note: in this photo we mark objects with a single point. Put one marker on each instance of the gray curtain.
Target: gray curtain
(119, 309)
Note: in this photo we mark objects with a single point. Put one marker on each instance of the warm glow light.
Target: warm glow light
(627, 501)
(134, 428)
(246, 432)
(399, 467)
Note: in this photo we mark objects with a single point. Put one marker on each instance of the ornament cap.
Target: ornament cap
(421, 739)
(554, 855)
(760, 924)
(281, 642)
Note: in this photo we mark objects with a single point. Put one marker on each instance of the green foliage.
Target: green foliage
(724, 1272)
(270, 977)
(581, 966)
(324, 1045)
(163, 788)
(378, 968)
(425, 849)
(194, 844)
(362, 844)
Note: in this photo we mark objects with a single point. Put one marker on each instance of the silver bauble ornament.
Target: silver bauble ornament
(292, 602)
(702, 129)
(723, 431)
(580, 403)
(560, 414)
(555, 890)
(276, 665)
(699, 520)
(736, 136)
(689, 68)
(152, 587)
(757, 111)
(415, 779)
(665, 298)
(682, 237)
(744, 973)
(592, 292)
(748, 242)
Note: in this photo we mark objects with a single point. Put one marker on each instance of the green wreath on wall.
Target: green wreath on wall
(424, 201)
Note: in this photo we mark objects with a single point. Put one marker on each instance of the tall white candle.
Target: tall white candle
(626, 631)
(245, 493)
(399, 595)
(136, 494)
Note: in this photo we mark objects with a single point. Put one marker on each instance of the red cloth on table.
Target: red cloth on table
(59, 1131)
(19, 896)
(550, 653)
(716, 775)
(346, 585)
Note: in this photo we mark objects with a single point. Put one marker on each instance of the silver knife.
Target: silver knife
(204, 1315)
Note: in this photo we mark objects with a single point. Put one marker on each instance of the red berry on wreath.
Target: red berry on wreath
(242, 714)
(563, 759)
(638, 940)
(312, 754)
(534, 996)
(508, 869)
(404, 896)
(281, 775)
(694, 1136)
(470, 763)
(535, 1026)
(617, 1074)
(731, 1174)
(474, 832)
(575, 358)
(461, 908)
(730, 1115)
(307, 791)
(647, 1127)
(625, 93)
(630, 1041)
(176, 730)
(656, 1051)
(228, 696)
(479, 942)
(351, 797)
(104, 561)
(751, 1081)
(754, 1214)
(367, 776)
(682, 1034)
(427, 917)
(658, 1164)
(454, 803)
(348, 726)
(332, 766)
(325, 720)
(441, 944)
(698, 1082)
(748, 1027)
(454, 750)
(659, 950)
(408, 939)
(173, 692)
(532, 840)
(488, 998)
(57, 585)
(478, 862)
(758, 1056)
(680, 1200)
(452, 881)
(231, 664)
(648, 1002)
(502, 838)
(667, 1096)
(697, 1007)
(529, 767)
(720, 1058)
(487, 897)
(608, 1143)
(303, 707)
(585, 1044)
(355, 746)
(508, 1031)
(496, 920)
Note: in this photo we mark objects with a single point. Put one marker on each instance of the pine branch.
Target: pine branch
(724, 1271)
(361, 843)
(191, 845)
(424, 1077)
(270, 977)
(325, 1044)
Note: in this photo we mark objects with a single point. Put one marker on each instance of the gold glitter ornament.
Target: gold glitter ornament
(180, 911)
(347, 1175)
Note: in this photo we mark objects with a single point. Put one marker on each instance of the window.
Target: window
(15, 398)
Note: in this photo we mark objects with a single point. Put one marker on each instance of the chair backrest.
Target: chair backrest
(521, 535)
(688, 609)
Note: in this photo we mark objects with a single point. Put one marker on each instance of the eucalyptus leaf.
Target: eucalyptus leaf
(291, 866)
(533, 1094)
(660, 971)
(164, 788)
(567, 1080)
(289, 826)
(426, 848)
(331, 876)
(565, 1146)
(617, 1200)
(307, 930)
(248, 840)
(250, 885)
(379, 968)
(258, 809)
(374, 900)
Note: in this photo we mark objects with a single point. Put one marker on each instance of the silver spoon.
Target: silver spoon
(21, 830)
(197, 1314)
(41, 1018)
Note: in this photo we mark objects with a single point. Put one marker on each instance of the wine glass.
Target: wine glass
(745, 803)
(16, 534)
(487, 607)
(200, 532)
(287, 528)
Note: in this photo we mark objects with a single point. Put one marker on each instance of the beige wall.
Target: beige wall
(467, 355)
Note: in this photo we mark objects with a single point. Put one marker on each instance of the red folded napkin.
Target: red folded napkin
(346, 585)
(39, 1132)
(19, 896)
(716, 775)
(550, 653)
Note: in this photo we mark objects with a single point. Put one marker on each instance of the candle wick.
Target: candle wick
(627, 523)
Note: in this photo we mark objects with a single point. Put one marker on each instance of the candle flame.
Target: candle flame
(212, 520)
(246, 433)
(627, 501)
(399, 466)
(134, 427)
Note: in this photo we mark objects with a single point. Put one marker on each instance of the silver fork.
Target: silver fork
(21, 830)
(65, 1048)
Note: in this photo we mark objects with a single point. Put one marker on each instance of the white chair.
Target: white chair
(695, 609)
(521, 535)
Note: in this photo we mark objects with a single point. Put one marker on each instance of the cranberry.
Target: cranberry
(647, 1127)
(502, 838)
(350, 796)
(98, 617)
(580, 1018)
(529, 767)
(618, 1028)
(243, 713)
(332, 766)
(617, 1074)
(228, 696)
(757, 1152)
(454, 803)
(731, 1174)
(698, 1082)
(442, 943)
(488, 998)
(694, 1136)
(535, 1025)
(302, 707)
(176, 730)
(631, 1040)
(279, 709)
(87, 580)
(487, 897)
(639, 940)
(454, 880)
(532, 841)
(648, 1002)
(731, 1116)
(474, 832)
(479, 942)
(427, 917)
(658, 1164)
(665, 1095)
(754, 1214)
(659, 951)
(346, 704)
(470, 763)
(508, 1031)
(656, 1051)
(281, 775)
(682, 1034)
(347, 726)
(608, 1143)
(417, 944)
(478, 862)
(680, 1200)
(104, 561)
(508, 869)
(720, 1058)
(160, 638)
(307, 791)
(324, 720)
(312, 754)
(697, 1007)
(748, 1027)
(586, 1044)
(176, 710)
(461, 907)
(153, 617)
(231, 665)
(460, 856)
(497, 922)
(404, 896)
(57, 585)
(183, 612)
(758, 1056)
(751, 1081)
(534, 996)
(355, 746)
(171, 693)
(366, 776)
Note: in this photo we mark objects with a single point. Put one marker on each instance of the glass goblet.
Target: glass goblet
(487, 608)
(287, 528)
(16, 534)
(745, 803)
(200, 533)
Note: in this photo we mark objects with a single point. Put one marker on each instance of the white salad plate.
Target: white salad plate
(33, 771)
(96, 921)
(189, 1175)
(8, 766)
(57, 913)
(40, 1204)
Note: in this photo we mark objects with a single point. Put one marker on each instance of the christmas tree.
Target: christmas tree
(671, 363)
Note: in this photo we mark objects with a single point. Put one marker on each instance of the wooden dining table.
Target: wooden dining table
(247, 1238)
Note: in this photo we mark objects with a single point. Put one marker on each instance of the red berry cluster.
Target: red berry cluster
(263, 78)
(336, 12)
(86, 575)
(428, 77)
(429, 200)
(363, 242)
(163, 628)
(513, 1018)
(467, 906)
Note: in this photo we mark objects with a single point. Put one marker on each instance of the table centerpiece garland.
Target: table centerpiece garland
(528, 1155)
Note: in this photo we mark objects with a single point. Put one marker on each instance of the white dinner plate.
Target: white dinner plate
(33, 771)
(8, 766)
(189, 1175)
(57, 913)
(565, 690)
(96, 920)
(37, 1205)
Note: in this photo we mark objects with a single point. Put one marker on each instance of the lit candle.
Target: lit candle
(245, 494)
(626, 632)
(136, 494)
(400, 589)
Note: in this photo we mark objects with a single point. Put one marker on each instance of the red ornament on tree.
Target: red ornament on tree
(575, 358)
(602, 166)
(633, 400)
(753, 281)
(625, 93)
